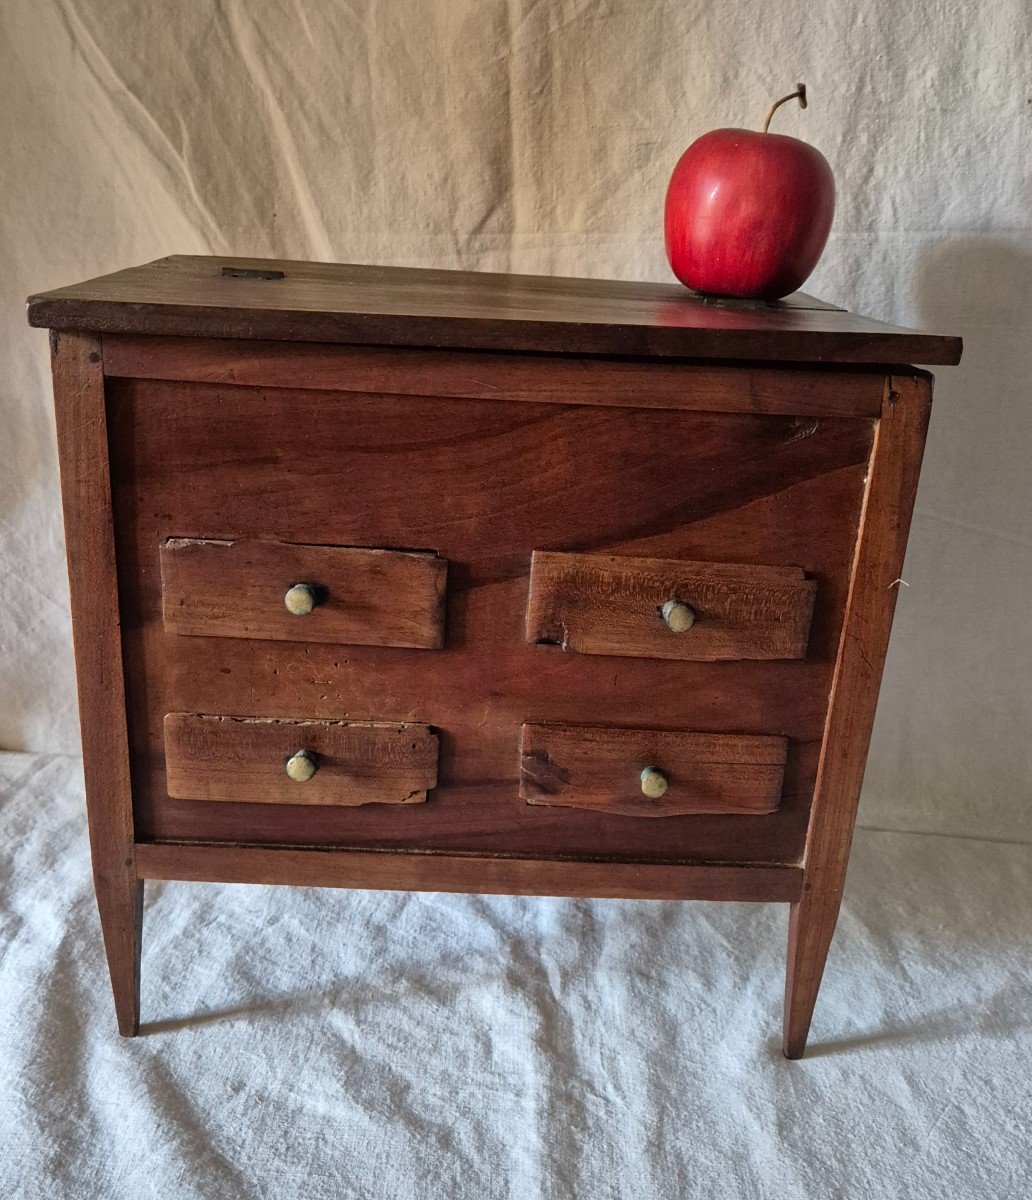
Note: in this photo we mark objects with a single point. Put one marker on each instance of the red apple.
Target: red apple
(748, 214)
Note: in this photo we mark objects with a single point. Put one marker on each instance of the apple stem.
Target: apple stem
(800, 92)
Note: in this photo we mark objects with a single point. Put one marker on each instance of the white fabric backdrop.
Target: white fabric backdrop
(536, 135)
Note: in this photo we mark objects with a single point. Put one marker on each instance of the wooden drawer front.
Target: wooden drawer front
(243, 760)
(603, 604)
(237, 589)
(484, 493)
(602, 770)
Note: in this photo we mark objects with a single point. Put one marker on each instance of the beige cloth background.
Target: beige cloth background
(538, 136)
(335, 1045)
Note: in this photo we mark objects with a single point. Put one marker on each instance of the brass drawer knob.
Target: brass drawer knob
(301, 599)
(680, 617)
(653, 783)
(302, 766)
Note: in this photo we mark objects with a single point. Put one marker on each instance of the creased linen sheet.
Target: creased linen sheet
(334, 1045)
(538, 135)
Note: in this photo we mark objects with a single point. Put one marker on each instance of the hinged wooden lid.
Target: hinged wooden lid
(401, 306)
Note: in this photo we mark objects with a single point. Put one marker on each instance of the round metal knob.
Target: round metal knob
(653, 783)
(302, 766)
(301, 599)
(679, 616)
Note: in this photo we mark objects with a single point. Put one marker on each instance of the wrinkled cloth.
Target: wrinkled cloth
(332, 1044)
(539, 136)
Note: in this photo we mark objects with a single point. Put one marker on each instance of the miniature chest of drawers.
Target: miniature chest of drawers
(393, 578)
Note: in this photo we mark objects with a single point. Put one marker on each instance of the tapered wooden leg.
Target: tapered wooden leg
(881, 543)
(77, 361)
(811, 927)
(120, 901)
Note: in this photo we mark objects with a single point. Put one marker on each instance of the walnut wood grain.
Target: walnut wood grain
(604, 604)
(236, 589)
(89, 542)
(599, 769)
(484, 485)
(536, 379)
(892, 486)
(241, 760)
(481, 418)
(451, 873)
(324, 302)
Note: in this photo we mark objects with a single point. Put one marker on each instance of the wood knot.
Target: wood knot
(538, 769)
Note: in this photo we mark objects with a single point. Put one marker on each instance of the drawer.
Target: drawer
(668, 608)
(650, 773)
(251, 760)
(285, 591)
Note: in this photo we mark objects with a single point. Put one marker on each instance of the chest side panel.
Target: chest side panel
(483, 484)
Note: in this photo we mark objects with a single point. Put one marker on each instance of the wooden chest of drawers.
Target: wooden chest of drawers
(420, 579)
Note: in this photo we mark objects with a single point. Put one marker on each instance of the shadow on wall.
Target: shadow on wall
(950, 751)
(37, 686)
(982, 429)
(972, 275)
